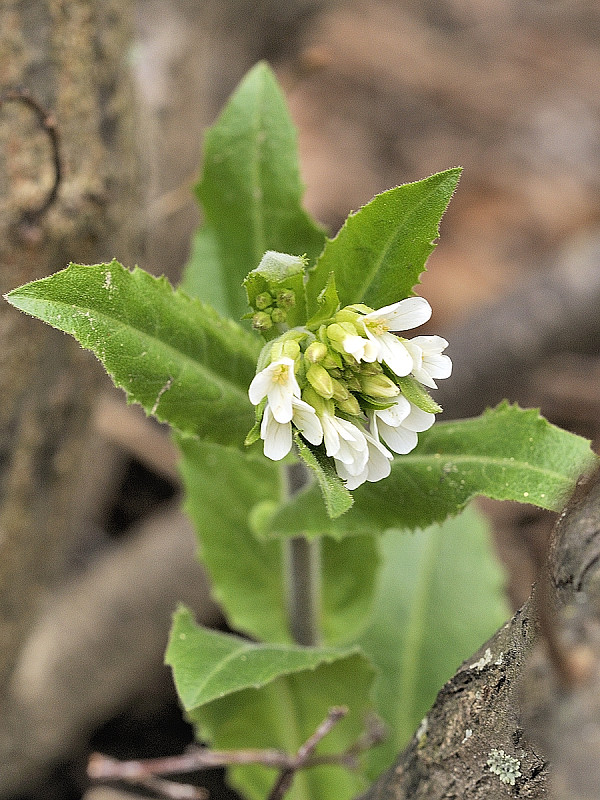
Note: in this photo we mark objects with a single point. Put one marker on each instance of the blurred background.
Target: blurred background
(382, 93)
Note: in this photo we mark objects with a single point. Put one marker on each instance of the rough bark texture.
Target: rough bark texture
(72, 58)
(529, 694)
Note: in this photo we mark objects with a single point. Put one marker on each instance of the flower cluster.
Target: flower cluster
(352, 385)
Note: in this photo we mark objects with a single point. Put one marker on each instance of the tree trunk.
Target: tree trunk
(521, 717)
(69, 57)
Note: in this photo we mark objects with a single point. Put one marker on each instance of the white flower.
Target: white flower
(278, 384)
(428, 361)
(377, 467)
(399, 424)
(345, 442)
(277, 436)
(362, 349)
(401, 316)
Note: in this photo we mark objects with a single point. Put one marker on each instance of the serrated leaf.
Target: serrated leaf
(222, 485)
(507, 453)
(172, 354)
(251, 194)
(381, 250)
(439, 597)
(336, 497)
(243, 695)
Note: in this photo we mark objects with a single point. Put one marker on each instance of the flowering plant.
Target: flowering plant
(301, 516)
(360, 384)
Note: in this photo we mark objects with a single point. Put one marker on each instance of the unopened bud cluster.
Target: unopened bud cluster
(271, 309)
(351, 384)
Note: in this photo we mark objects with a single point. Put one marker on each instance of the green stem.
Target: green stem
(303, 572)
(302, 565)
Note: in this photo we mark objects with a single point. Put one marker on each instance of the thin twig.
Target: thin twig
(145, 771)
(286, 776)
(48, 124)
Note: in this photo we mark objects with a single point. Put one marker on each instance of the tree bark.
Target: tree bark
(70, 57)
(528, 700)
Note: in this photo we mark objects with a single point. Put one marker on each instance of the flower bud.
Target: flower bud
(320, 380)
(379, 386)
(262, 321)
(370, 368)
(347, 315)
(320, 404)
(278, 315)
(286, 298)
(337, 333)
(340, 393)
(315, 352)
(351, 381)
(290, 349)
(349, 406)
(262, 301)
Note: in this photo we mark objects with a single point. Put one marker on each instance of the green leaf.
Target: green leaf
(439, 597)
(416, 393)
(328, 302)
(251, 194)
(507, 453)
(246, 695)
(172, 354)
(335, 495)
(381, 250)
(222, 485)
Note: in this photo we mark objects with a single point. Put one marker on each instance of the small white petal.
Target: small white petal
(396, 414)
(307, 422)
(399, 439)
(404, 315)
(277, 436)
(259, 387)
(395, 354)
(418, 420)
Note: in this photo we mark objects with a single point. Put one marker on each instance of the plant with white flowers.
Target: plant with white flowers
(308, 449)
(340, 380)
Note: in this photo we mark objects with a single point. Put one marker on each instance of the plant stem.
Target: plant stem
(303, 573)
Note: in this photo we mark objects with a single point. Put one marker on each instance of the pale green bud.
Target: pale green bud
(370, 368)
(347, 315)
(340, 393)
(262, 321)
(338, 332)
(379, 386)
(278, 315)
(351, 381)
(286, 298)
(320, 404)
(315, 352)
(290, 349)
(262, 301)
(349, 406)
(332, 360)
(320, 380)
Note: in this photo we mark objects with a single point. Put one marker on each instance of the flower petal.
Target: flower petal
(404, 315)
(395, 354)
(307, 422)
(277, 436)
